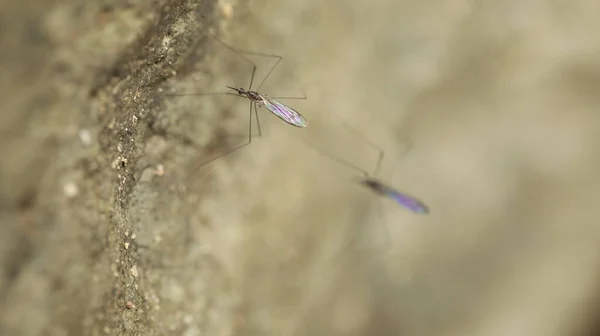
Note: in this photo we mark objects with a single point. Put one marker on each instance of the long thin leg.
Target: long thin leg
(384, 224)
(283, 98)
(203, 94)
(254, 53)
(235, 52)
(354, 237)
(223, 94)
(407, 140)
(335, 158)
(409, 146)
(240, 53)
(241, 56)
(374, 236)
(279, 58)
(252, 105)
(257, 121)
(371, 144)
(349, 240)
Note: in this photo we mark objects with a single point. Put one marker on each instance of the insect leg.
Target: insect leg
(257, 123)
(371, 144)
(383, 224)
(279, 58)
(334, 158)
(252, 105)
(283, 98)
(241, 52)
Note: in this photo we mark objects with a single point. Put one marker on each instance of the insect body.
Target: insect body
(369, 181)
(401, 198)
(376, 186)
(285, 113)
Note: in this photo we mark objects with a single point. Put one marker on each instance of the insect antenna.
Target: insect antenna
(337, 159)
(283, 98)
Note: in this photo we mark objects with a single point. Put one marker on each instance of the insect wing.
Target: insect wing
(285, 113)
(409, 202)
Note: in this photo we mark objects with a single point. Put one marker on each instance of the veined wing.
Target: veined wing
(285, 113)
(408, 202)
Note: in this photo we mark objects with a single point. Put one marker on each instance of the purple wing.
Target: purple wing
(285, 113)
(409, 202)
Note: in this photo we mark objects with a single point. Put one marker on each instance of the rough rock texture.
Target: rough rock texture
(108, 226)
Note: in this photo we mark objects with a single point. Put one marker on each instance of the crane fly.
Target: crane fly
(369, 181)
(257, 100)
(285, 113)
(378, 187)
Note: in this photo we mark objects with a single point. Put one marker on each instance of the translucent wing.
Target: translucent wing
(285, 113)
(408, 202)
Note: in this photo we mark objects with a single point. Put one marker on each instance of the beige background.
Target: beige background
(108, 228)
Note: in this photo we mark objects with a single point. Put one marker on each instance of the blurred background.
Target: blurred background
(108, 226)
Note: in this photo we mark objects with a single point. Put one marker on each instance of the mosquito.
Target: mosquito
(376, 186)
(369, 180)
(257, 100)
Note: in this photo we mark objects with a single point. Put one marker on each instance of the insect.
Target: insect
(285, 113)
(257, 100)
(370, 182)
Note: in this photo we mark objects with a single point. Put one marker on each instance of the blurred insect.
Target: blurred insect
(372, 183)
(369, 181)
(257, 100)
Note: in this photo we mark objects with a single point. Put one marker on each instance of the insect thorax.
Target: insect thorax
(253, 95)
(375, 185)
